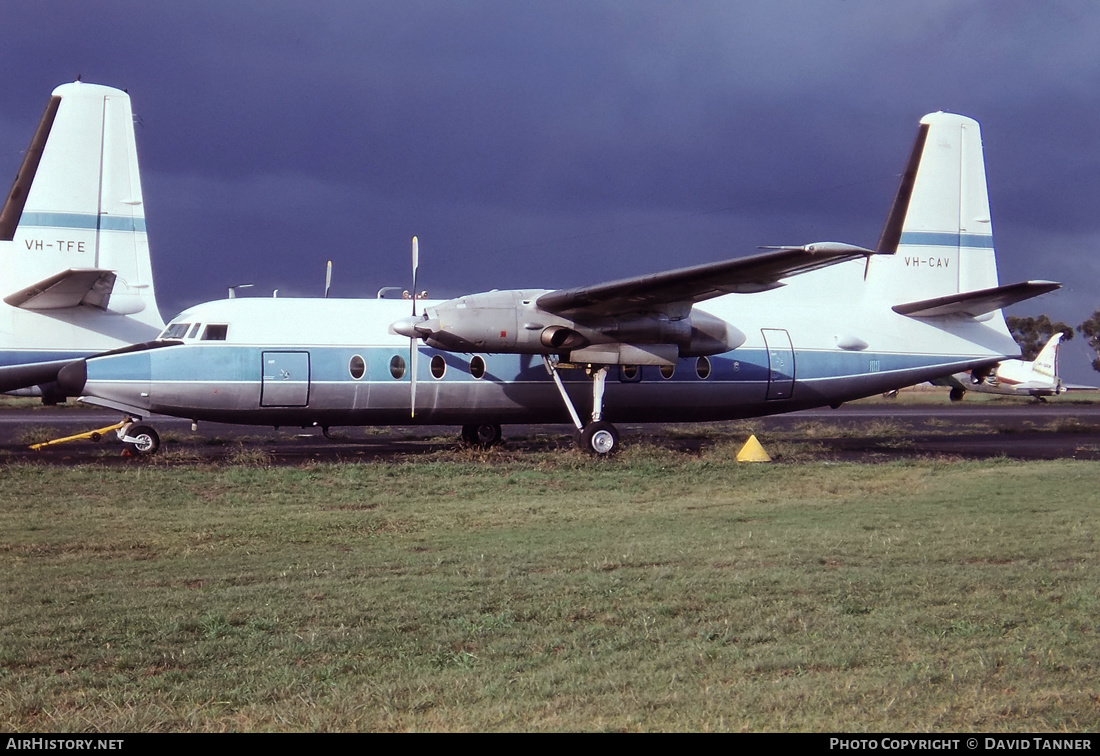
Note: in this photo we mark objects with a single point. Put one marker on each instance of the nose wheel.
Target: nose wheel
(139, 439)
(599, 437)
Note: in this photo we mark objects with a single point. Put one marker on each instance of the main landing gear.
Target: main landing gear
(598, 437)
(481, 435)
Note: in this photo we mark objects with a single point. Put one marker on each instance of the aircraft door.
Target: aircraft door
(780, 363)
(285, 379)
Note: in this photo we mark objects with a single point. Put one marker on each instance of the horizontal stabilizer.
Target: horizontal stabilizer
(975, 303)
(71, 288)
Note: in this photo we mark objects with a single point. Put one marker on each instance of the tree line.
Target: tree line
(1032, 333)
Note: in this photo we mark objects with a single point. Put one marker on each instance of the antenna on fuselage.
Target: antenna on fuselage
(233, 289)
(328, 278)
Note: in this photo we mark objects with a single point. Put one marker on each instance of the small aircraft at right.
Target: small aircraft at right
(1037, 379)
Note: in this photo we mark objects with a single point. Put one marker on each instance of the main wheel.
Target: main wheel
(141, 439)
(956, 394)
(599, 438)
(481, 435)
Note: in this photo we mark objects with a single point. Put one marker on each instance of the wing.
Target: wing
(697, 283)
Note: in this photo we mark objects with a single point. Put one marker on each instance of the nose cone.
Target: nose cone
(419, 327)
(407, 327)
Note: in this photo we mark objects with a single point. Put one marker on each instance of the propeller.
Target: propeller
(413, 351)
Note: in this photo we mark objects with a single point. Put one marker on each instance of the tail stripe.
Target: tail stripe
(84, 221)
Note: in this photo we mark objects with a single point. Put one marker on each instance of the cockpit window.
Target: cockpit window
(215, 332)
(175, 331)
(194, 330)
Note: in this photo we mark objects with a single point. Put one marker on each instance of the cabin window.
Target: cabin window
(357, 367)
(215, 332)
(667, 371)
(175, 331)
(477, 366)
(194, 330)
(397, 367)
(630, 373)
(439, 366)
(702, 368)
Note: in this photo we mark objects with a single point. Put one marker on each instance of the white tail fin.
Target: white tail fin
(77, 205)
(73, 247)
(1046, 362)
(946, 240)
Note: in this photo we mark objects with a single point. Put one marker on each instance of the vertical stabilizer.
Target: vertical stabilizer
(76, 204)
(77, 279)
(1046, 362)
(946, 241)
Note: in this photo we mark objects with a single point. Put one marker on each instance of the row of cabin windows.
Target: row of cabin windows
(627, 373)
(213, 331)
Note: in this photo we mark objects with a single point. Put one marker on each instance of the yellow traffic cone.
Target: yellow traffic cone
(752, 451)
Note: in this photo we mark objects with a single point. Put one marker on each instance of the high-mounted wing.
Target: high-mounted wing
(696, 283)
(687, 286)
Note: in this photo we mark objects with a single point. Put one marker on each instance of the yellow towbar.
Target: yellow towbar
(95, 435)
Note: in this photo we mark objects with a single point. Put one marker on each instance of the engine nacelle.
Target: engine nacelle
(510, 322)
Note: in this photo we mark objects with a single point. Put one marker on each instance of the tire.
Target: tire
(482, 435)
(600, 438)
(143, 440)
(956, 394)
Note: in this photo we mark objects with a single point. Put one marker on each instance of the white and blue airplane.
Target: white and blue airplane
(787, 329)
(73, 246)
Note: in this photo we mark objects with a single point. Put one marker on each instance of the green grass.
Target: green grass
(492, 591)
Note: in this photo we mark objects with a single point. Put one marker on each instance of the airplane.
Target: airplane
(1038, 378)
(73, 245)
(785, 329)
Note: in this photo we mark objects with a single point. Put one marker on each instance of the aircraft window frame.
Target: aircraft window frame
(477, 366)
(630, 373)
(357, 367)
(438, 367)
(667, 371)
(215, 332)
(398, 367)
(703, 368)
(194, 331)
(175, 331)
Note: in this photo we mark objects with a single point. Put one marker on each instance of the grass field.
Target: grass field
(492, 591)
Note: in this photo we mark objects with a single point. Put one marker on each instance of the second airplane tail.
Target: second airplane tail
(75, 219)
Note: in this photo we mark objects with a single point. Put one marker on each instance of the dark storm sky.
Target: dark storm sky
(559, 143)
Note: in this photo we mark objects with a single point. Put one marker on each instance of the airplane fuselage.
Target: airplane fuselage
(338, 362)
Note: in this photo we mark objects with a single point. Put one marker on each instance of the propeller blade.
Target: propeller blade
(413, 351)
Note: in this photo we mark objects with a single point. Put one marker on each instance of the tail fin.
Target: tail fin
(77, 278)
(1046, 362)
(944, 262)
(74, 221)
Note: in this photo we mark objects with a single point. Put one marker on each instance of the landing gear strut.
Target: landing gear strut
(599, 437)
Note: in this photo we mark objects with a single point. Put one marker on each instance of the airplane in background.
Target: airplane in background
(783, 330)
(73, 246)
(1038, 378)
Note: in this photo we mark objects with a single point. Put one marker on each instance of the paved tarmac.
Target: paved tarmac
(861, 431)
